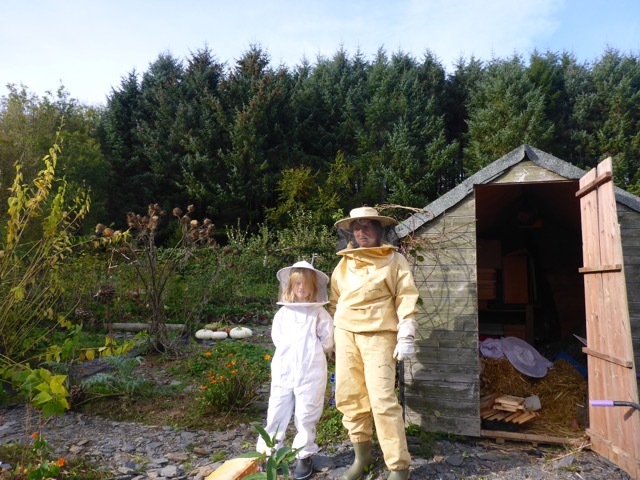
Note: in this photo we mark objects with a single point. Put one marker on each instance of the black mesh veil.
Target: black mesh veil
(387, 234)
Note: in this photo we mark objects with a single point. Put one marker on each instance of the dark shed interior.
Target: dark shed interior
(529, 252)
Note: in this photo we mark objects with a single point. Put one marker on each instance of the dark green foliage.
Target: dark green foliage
(251, 142)
(506, 110)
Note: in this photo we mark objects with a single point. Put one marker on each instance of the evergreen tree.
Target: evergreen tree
(505, 111)
(259, 127)
(131, 178)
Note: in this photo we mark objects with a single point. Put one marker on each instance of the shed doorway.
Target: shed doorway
(529, 252)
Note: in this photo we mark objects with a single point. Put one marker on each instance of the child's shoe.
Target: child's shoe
(304, 468)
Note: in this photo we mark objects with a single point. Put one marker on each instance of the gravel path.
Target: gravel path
(130, 451)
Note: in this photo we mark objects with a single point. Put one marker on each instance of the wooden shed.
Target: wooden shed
(528, 247)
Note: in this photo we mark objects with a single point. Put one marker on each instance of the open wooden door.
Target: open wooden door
(614, 431)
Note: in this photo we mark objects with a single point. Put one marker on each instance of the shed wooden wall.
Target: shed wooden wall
(442, 383)
(629, 221)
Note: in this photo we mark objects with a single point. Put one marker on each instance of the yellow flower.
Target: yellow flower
(233, 362)
(267, 357)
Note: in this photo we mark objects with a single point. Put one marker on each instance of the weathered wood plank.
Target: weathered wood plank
(468, 374)
(430, 405)
(461, 323)
(447, 308)
(631, 238)
(448, 255)
(527, 171)
(450, 289)
(448, 273)
(446, 356)
(467, 426)
(434, 391)
(449, 339)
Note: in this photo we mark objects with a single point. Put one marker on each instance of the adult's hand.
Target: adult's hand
(404, 349)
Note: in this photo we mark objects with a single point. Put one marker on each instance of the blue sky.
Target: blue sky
(89, 45)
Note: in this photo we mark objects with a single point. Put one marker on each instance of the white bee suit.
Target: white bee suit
(302, 334)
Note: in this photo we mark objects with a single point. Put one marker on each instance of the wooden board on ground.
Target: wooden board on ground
(235, 469)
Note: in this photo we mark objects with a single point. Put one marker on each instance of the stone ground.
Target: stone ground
(131, 451)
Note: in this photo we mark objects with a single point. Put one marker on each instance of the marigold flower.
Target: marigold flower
(267, 357)
(207, 354)
(60, 462)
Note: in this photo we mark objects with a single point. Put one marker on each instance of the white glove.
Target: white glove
(404, 349)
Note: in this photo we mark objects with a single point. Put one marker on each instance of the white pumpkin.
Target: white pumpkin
(205, 334)
(202, 334)
(240, 332)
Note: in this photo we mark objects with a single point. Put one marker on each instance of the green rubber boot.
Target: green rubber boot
(398, 475)
(362, 461)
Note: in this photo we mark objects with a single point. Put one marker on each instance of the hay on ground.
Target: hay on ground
(562, 392)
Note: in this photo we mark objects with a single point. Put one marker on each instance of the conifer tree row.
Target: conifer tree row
(254, 141)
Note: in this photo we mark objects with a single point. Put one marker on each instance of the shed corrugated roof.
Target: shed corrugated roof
(494, 170)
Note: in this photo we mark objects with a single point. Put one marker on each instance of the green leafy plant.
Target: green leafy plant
(232, 375)
(121, 381)
(275, 460)
(32, 460)
(330, 428)
(39, 386)
(38, 236)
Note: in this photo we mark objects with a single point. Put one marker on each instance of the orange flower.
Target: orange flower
(34, 434)
(203, 387)
(233, 372)
(214, 381)
(208, 354)
(267, 357)
(230, 355)
(60, 462)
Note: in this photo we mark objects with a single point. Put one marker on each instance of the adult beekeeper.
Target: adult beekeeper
(373, 302)
(302, 333)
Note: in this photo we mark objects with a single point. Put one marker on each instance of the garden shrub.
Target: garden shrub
(231, 374)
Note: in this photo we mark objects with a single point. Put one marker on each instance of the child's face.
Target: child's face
(302, 291)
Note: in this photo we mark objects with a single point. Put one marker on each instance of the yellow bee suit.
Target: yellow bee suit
(373, 301)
